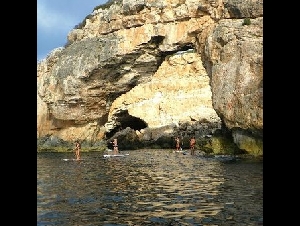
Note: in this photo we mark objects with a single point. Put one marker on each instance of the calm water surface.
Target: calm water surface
(148, 187)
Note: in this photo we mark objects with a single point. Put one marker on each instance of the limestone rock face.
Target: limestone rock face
(155, 66)
(234, 56)
(178, 92)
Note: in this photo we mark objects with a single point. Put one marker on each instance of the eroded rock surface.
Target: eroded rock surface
(154, 67)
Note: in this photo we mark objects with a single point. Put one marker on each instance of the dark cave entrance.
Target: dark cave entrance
(126, 120)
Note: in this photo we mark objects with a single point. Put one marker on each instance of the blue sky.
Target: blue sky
(56, 18)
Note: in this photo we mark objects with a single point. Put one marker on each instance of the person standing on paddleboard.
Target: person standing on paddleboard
(192, 145)
(77, 149)
(115, 145)
(177, 145)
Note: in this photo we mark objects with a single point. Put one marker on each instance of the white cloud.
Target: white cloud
(49, 20)
(56, 19)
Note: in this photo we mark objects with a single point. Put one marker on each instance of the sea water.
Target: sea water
(148, 187)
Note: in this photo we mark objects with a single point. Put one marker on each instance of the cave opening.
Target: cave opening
(124, 120)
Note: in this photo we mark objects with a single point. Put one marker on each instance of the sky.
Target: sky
(56, 18)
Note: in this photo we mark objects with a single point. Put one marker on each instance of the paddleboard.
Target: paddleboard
(71, 160)
(119, 155)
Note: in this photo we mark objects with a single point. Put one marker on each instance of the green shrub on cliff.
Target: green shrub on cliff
(246, 21)
(108, 4)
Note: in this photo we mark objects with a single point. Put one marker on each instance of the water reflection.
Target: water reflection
(148, 187)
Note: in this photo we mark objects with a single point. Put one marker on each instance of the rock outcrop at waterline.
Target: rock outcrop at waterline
(162, 69)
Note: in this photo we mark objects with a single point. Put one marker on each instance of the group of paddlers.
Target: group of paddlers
(116, 150)
(192, 144)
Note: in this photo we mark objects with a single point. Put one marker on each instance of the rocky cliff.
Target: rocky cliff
(157, 70)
